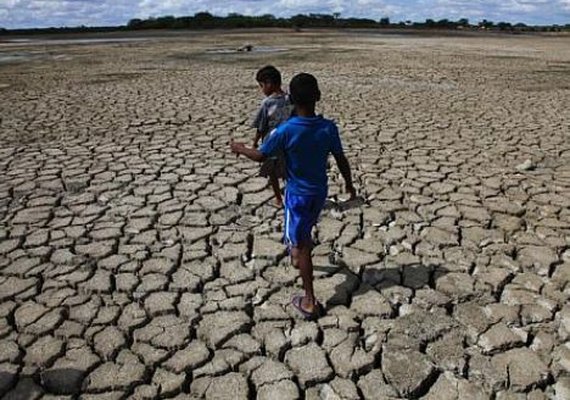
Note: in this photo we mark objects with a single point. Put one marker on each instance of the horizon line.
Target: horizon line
(336, 16)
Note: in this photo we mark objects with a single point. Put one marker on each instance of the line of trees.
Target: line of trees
(65, 29)
(205, 20)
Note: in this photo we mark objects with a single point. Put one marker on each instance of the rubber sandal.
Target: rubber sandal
(309, 316)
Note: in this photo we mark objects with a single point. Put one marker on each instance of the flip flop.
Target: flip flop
(296, 301)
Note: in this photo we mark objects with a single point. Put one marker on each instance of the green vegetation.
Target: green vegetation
(76, 29)
(205, 20)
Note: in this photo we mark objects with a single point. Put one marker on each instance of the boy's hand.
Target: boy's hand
(240, 148)
(352, 191)
(237, 147)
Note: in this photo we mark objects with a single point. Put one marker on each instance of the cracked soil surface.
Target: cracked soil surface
(140, 259)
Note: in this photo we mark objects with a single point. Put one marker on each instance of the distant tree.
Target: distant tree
(135, 23)
(322, 19)
(361, 23)
(313, 21)
(430, 23)
(203, 15)
(235, 20)
(486, 24)
(385, 21)
(185, 22)
(336, 15)
(463, 22)
(165, 22)
(504, 26)
(204, 19)
(299, 20)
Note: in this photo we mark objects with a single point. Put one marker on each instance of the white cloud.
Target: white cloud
(565, 4)
(41, 13)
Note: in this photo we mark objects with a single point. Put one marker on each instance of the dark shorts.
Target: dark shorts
(301, 214)
(273, 166)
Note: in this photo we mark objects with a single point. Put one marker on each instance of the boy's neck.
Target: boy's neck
(306, 110)
(276, 92)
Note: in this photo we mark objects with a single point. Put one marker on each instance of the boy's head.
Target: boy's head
(304, 90)
(269, 79)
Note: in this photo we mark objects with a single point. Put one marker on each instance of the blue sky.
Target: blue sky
(45, 13)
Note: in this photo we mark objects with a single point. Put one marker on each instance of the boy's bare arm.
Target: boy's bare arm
(344, 168)
(253, 154)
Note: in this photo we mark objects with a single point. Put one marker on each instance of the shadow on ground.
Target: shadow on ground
(66, 381)
(340, 286)
(338, 205)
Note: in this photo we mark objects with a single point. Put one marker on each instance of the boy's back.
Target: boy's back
(306, 143)
(274, 110)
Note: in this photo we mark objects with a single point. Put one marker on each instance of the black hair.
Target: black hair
(304, 89)
(269, 74)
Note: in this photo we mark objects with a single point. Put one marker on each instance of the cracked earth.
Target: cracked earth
(140, 259)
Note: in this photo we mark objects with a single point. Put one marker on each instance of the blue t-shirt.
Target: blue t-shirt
(306, 143)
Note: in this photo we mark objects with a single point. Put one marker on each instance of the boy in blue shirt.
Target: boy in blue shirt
(306, 140)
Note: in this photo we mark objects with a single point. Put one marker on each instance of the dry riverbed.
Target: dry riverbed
(140, 259)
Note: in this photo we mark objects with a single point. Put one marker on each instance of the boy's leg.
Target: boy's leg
(301, 214)
(303, 261)
(274, 182)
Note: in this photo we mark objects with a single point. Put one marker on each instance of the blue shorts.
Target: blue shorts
(301, 214)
